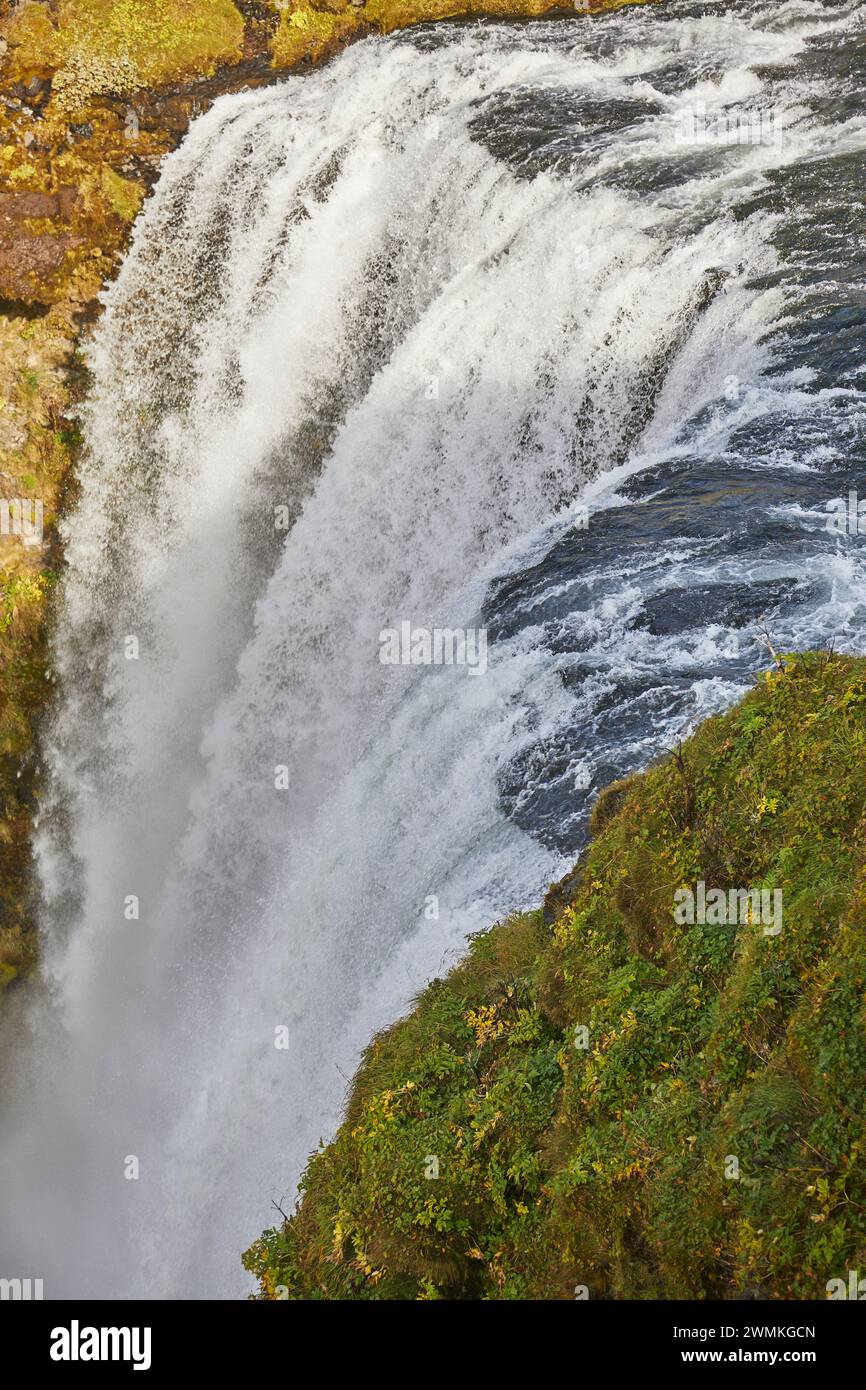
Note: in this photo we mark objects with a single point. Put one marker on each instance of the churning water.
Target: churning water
(478, 326)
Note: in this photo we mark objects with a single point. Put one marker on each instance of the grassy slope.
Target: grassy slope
(561, 1166)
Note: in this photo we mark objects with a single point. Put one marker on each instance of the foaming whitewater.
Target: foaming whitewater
(384, 332)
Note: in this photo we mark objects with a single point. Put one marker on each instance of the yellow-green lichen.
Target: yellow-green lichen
(308, 33)
(124, 197)
(118, 46)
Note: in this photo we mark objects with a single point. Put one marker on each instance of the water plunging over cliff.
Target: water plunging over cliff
(387, 335)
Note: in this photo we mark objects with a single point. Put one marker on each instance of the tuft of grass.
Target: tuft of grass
(615, 1100)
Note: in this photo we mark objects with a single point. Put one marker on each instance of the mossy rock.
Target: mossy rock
(305, 32)
(622, 1102)
(95, 47)
(123, 196)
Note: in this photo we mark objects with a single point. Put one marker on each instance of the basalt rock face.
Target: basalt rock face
(93, 94)
(630, 1094)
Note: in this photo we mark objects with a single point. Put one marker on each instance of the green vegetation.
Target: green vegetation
(608, 1165)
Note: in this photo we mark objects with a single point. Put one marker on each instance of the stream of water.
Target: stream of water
(553, 330)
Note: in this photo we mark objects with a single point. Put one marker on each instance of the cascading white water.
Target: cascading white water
(339, 303)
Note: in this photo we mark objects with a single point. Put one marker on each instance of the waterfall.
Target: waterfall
(384, 331)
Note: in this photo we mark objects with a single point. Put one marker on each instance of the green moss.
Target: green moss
(17, 954)
(610, 1165)
(124, 197)
(7, 974)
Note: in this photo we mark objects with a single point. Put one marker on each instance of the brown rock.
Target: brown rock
(171, 114)
(18, 205)
(28, 205)
(67, 197)
(27, 263)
